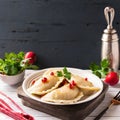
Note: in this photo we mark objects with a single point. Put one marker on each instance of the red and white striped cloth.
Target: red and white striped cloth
(11, 109)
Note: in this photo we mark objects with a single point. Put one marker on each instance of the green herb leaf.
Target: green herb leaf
(68, 76)
(65, 70)
(59, 73)
(64, 73)
(105, 63)
(94, 67)
(102, 69)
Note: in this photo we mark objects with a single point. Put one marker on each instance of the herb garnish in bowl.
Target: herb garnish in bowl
(12, 67)
(13, 63)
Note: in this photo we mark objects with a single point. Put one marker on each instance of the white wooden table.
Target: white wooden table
(112, 114)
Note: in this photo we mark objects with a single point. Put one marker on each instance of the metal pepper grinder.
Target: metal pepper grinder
(110, 45)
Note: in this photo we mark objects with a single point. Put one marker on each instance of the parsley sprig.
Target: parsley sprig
(102, 69)
(11, 63)
(64, 73)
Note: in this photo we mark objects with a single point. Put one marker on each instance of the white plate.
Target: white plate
(84, 73)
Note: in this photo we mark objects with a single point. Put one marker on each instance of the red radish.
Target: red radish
(112, 78)
(31, 56)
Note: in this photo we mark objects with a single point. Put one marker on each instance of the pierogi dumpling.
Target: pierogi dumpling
(63, 94)
(81, 82)
(45, 84)
(87, 91)
(85, 85)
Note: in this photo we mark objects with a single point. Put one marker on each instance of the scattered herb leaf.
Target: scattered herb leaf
(102, 69)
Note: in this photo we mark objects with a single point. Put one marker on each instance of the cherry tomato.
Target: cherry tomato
(31, 56)
(112, 78)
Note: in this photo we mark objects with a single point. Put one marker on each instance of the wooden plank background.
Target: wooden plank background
(61, 32)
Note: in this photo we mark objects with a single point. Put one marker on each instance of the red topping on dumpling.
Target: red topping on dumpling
(44, 80)
(72, 84)
(52, 73)
(86, 79)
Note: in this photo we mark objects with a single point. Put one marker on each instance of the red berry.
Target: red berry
(44, 80)
(86, 79)
(112, 78)
(72, 84)
(52, 73)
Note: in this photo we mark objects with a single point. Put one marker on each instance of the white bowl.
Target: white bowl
(13, 79)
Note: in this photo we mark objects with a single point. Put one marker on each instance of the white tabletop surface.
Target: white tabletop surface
(112, 114)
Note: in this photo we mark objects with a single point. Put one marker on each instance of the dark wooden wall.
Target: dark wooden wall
(61, 32)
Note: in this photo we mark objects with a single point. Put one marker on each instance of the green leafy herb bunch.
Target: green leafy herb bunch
(14, 63)
(102, 69)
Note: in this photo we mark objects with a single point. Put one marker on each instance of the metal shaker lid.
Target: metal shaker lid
(109, 33)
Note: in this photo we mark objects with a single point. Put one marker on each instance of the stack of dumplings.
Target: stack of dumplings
(51, 87)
